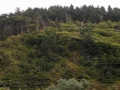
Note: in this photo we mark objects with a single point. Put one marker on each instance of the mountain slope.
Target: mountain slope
(39, 59)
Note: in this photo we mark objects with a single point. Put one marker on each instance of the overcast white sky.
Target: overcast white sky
(7, 6)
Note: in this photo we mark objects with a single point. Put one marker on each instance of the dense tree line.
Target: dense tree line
(37, 18)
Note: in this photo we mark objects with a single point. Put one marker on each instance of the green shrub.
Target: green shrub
(70, 84)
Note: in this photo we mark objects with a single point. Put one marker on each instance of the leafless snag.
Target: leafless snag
(27, 24)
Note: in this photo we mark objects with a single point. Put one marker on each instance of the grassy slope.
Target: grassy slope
(28, 60)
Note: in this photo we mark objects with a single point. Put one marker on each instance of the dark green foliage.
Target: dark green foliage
(4, 60)
(74, 44)
(86, 34)
(107, 61)
(105, 34)
(117, 27)
(46, 50)
(38, 18)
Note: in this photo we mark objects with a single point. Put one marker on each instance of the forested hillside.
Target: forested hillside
(46, 49)
(38, 18)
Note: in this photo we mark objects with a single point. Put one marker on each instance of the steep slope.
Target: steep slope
(39, 59)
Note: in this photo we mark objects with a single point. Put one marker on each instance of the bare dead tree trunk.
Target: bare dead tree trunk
(4, 31)
(3, 34)
(43, 23)
(9, 30)
(82, 23)
(21, 28)
(17, 29)
(66, 17)
(27, 25)
(37, 27)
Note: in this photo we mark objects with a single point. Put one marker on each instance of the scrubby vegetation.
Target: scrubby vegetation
(39, 59)
(70, 84)
(37, 53)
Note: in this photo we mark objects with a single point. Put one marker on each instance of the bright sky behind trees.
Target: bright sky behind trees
(7, 6)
